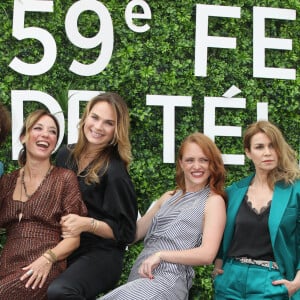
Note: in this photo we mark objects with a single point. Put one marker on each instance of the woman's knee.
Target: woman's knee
(60, 290)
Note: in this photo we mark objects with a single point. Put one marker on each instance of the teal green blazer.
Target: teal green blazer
(284, 223)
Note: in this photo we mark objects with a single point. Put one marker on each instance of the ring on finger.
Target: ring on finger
(29, 273)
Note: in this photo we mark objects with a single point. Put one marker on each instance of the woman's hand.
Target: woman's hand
(216, 272)
(291, 286)
(218, 268)
(36, 273)
(149, 264)
(72, 225)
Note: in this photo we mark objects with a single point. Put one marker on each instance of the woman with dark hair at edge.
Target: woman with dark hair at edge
(5, 127)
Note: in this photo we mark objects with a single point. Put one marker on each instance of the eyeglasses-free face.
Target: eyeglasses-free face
(194, 165)
(100, 124)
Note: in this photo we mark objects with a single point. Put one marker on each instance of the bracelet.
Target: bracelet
(94, 225)
(158, 254)
(52, 255)
(49, 261)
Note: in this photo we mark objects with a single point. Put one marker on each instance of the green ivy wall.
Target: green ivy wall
(161, 61)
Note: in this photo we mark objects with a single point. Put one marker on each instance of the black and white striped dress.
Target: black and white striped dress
(177, 225)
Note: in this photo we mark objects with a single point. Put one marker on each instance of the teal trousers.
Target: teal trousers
(245, 281)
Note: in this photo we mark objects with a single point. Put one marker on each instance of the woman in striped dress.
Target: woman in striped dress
(183, 229)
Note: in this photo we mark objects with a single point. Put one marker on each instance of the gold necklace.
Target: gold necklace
(24, 185)
(21, 214)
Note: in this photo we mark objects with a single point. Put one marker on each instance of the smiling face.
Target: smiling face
(262, 153)
(41, 138)
(100, 124)
(195, 166)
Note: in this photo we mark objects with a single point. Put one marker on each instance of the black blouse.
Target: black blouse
(113, 201)
(251, 236)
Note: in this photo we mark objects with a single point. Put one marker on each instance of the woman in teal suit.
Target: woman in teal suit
(260, 253)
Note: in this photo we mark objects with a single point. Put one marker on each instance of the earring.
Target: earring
(113, 142)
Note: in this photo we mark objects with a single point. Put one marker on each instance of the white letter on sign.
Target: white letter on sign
(260, 42)
(203, 40)
(169, 103)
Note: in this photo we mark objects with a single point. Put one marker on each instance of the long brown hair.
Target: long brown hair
(216, 181)
(287, 169)
(120, 142)
(30, 121)
(5, 123)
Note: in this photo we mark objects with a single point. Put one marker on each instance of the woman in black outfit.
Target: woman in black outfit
(100, 158)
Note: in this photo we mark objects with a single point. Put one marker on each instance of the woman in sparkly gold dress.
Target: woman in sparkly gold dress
(32, 201)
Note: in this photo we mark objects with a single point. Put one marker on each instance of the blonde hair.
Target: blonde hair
(30, 121)
(216, 180)
(287, 169)
(120, 143)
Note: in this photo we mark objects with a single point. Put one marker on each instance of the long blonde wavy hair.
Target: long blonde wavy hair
(120, 142)
(287, 169)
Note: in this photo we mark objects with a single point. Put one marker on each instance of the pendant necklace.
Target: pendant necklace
(20, 215)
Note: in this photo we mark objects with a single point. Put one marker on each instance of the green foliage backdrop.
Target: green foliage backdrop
(161, 61)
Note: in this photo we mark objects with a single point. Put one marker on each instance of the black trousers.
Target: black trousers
(89, 273)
